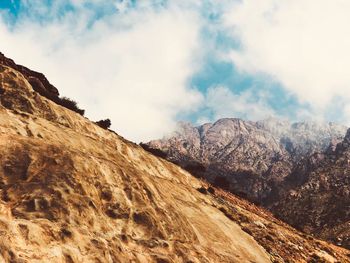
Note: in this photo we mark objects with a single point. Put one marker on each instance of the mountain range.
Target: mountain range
(299, 171)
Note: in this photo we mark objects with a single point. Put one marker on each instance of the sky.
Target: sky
(148, 64)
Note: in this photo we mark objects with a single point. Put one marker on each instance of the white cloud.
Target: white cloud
(132, 67)
(302, 44)
(225, 104)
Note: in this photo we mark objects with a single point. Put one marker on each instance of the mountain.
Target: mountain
(297, 170)
(249, 158)
(320, 202)
(71, 191)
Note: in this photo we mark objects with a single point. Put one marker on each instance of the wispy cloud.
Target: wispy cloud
(224, 104)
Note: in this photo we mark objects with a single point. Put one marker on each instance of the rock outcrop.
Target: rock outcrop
(36, 79)
(71, 191)
(40, 84)
(316, 197)
(299, 171)
(251, 159)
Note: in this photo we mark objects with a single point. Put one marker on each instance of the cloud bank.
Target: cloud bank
(302, 44)
(225, 104)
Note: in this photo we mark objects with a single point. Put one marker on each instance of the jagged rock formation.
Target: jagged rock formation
(249, 158)
(40, 84)
(316, 198)
(36, 79)
(299, 171)
(301, 139)
(71, 191)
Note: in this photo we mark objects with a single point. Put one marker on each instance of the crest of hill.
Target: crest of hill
(41, 85)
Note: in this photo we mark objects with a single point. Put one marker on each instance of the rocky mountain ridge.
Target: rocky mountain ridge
(320, 202)
(250, 158)
(299, 171)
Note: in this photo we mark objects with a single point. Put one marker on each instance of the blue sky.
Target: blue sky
(164, 61)
(11, 5)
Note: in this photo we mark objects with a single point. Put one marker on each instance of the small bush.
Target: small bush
(195, 168)
(64, 101)
(211, 190)
(202, 190)
(70, 104)
(222, 182)
(105, 124)
(156, 152)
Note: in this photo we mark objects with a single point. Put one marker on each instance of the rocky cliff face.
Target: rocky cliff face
(36, 79)
(249, 158)
(73, 192)
(299, 171)
(41, 85)
(320, 203)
